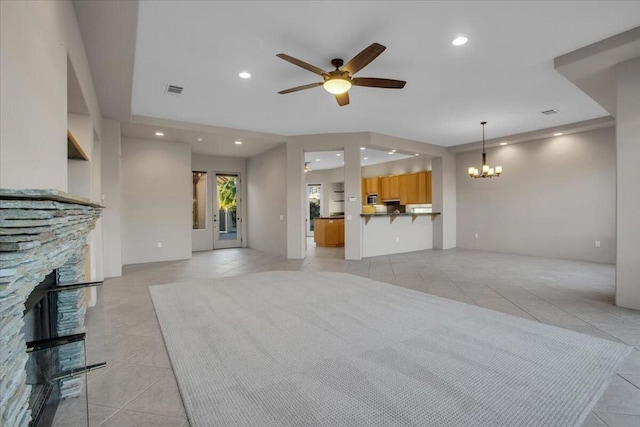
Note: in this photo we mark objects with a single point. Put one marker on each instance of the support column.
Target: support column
(352, 208)
(628, 177)
(444, 200)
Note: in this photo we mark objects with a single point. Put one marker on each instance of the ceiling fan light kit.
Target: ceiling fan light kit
(486, 171)
(339, 81)
(337, 86)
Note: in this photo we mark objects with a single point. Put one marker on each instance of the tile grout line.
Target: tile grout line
(621, 376)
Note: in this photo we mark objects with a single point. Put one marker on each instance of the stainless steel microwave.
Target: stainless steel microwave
(372, 199)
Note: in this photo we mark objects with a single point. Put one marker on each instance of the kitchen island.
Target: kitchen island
(389, 233)
(328, 231)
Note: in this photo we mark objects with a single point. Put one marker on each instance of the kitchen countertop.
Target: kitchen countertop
(330, 217)
(401, 214)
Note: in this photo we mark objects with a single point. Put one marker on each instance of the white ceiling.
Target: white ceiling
(208, 140)
(503, 75)
(319, 160)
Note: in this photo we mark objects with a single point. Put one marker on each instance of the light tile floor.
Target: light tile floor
(138, 387)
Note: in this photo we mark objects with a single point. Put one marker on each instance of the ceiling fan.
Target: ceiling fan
(340, 80)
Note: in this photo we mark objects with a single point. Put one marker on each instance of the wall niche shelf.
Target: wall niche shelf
(74, 150)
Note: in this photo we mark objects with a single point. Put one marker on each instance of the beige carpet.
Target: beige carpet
(332, 349)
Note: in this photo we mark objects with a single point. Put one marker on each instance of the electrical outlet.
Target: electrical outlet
(597, 243)
(397, 239)
(159, 244)
(281, 217)
(476, 235)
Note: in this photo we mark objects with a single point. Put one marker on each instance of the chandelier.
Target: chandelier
(487, 171)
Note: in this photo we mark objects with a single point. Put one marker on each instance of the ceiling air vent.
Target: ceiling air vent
(174, 90)
(550, 112)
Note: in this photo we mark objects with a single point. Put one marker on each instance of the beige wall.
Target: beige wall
(156, 201)
(555, 198)
(267, 201)
(36, 39)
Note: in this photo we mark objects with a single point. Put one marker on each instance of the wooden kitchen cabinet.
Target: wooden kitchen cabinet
(412, 188)
(404, 190)
(371, 185)
(394, 187)
(383, 192)
(424, 187)
(328, 232)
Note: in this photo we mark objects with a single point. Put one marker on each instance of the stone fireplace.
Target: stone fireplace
(41, 231)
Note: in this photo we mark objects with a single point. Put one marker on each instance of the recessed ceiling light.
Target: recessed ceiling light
(338, 154)
(199, 139)
(503, 143)
(362, 148)
(390, 152)
(557, 134)
(244, 75)
(459, 41)
(238, 142)
(159, 133)
(393, 151)
(416, 154)
(366, 158)
(317, 160)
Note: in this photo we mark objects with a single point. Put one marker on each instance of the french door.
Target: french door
(227, 229)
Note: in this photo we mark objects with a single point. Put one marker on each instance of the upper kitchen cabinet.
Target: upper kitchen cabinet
(417, 189)
(424, 187)
(389, 188)
(394, 187)
(412, 188)
(403, 181)
(371, 185)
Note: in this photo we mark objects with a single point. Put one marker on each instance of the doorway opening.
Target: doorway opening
(226, 212)
(314, 206)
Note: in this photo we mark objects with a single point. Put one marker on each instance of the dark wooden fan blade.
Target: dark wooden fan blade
(301, 64)
(362, 59)
(373, 82)
(297, 88)
(343, 99)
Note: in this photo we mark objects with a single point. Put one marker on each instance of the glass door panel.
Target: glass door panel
(226, 215)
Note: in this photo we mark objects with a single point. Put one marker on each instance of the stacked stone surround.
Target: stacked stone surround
(40, 231)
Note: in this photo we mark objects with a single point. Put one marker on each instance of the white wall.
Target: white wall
(267, 201)
(79, 175)
(628, 176)
(84, 179)
(111, 191)
(36, 38)
(398, 167)
(156, 201)
(326, 178)
(95, 237)
(555, 198)
(202, 239)
(382, 237)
